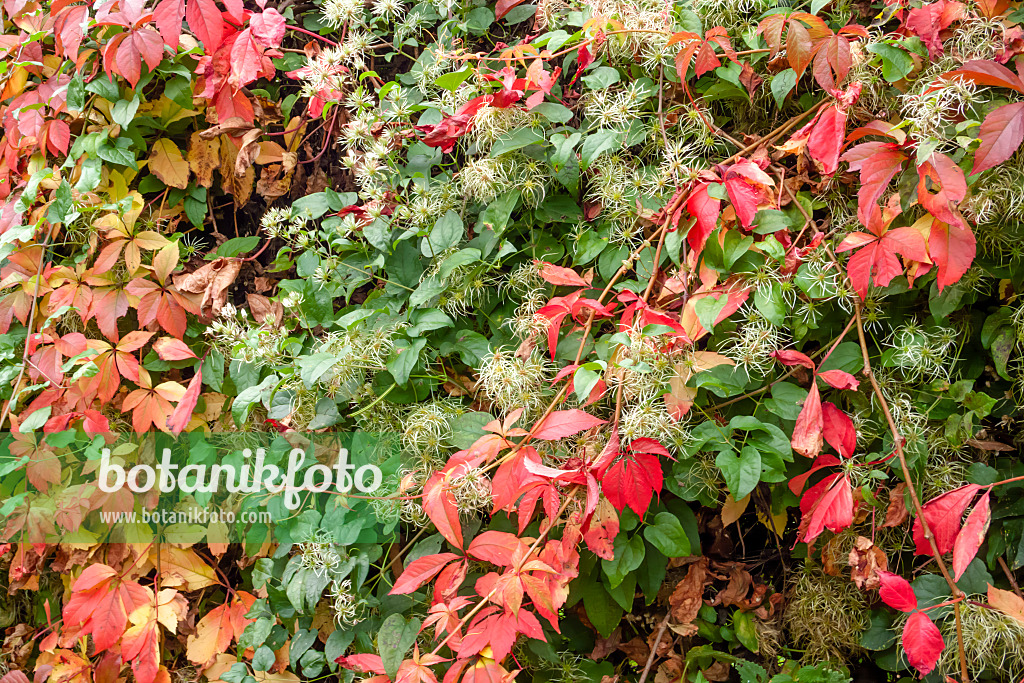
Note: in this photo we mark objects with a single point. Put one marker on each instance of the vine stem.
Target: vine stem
(310, 33)
(773, 135)
(918, 508)
(654, 648)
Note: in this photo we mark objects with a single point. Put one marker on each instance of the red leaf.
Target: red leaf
(601, 530)
(971, 536)
(633, 481)
(943, 514)
(952, 247)
(439, 505)
(790, 357)
(205, 21)
(504, 6)
(419, 571)
(1001, 134)
(497, 547)
(826, 138)
(798, 47)
(366, 663)
(268, 27)
(707, 60)
(929, 21)
(563, 423)
(169, 348)
(896, 591)
(838, 430)
(942, 173)
(747, 186)
(828, 504)
(557, 275)
(179, 419)
(877, 162)
(705, 209)
(807, 432)
(796, 484)
(839, 379)
(922, 642)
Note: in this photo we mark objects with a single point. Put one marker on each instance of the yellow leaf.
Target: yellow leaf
(732, 510)
(167, 164)
(1007, 602)
(240, 187)
(183, 568)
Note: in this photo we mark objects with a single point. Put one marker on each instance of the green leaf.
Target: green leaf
(312, 367)
(553, 111)
(668, 536)
(896, 63)
(394, 639)
(596, 144)
(601, 77)
(447, 232)
(769, 303)
(746, 631)
(783, 84)
(401, 365)
(235, 246)
(742, 472)
(428, 289)
(629, 554)
(498, 212)
(708, 308)
(602, 610)
(516, 139)
(453, 79)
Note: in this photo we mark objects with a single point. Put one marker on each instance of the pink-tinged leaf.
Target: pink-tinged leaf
(839, 379)
(838, 430)
(504, 7)
(169, 348)
(922, 642)
(439, 505)
(705, 209)
(895, 591)
(826, 139)
(168, 15)
(986, 72)
(563, 423)
(601, 529)
(790, 357)
(799, 47)
(557, 275)
(1001, 133)
(826, 505)
(745, 199)
(205, 21)
(268, 27)
(971, 536)
(943, 514)
(421, 570)
(366, 663)
(952, 247)
(796, 484)
(179, 419)
(807, 432)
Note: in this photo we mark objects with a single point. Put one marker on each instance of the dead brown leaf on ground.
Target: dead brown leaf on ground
(688, 596)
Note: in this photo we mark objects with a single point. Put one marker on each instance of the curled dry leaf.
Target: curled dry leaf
(212, 281)
(865, 560)
(688, 596)
(896, 514)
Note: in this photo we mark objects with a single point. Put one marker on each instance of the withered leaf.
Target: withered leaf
(688, 596)
(212, 281)
(896, 514)
(203, 158)
(865, 560)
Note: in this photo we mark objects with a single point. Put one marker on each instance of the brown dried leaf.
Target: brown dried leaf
(212, 281)
(248, 151)
(203, 158)
(688, 596)
(274, 181)
(239, 187)
(897, 513)
(991, 445)
(719, 671)
(637, 649)
(234, 126)
(866, 559)
(605, 646)
(264, 310)
(739, 585)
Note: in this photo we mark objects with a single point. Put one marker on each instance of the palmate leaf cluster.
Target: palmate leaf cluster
(677, 329)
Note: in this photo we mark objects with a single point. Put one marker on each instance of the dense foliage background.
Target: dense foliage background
(695, 324)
